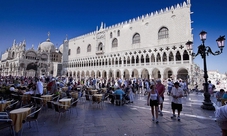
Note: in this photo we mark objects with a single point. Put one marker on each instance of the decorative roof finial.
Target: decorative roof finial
(66, 38)
(189, 1)
(48, 39)
(101, 27)
(14, 42)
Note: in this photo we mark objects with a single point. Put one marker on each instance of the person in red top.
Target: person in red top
(161, 90)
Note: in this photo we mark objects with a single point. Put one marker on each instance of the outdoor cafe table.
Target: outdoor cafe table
(3, 105)
(65, 101)
(64, 89)
(104, 90)
(89, 88)
(97, 97)
(18, 115)
(26, 98)
(93, 92)
(74, 95)
(46, 98)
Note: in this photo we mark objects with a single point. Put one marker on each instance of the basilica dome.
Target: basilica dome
(46, 46)
(61, 48)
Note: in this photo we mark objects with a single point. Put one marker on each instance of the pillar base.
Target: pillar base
(208, 106)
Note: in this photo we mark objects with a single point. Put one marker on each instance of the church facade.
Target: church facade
(148, 46)
(17, 61)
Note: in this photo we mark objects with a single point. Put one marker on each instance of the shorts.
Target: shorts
(153, 103)
(176, 106)
(169, 89)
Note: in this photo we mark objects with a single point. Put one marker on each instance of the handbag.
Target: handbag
(160, 100)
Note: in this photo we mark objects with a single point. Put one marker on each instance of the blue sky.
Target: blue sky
(31, 20)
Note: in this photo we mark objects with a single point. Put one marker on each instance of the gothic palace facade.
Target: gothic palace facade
(149, 46)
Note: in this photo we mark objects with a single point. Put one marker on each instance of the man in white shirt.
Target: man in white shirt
(39, 87)
(177, 94)
(211, 88)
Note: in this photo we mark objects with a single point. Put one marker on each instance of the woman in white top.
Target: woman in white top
(152, 100)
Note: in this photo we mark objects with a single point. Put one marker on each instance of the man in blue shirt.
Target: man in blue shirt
(120, 92)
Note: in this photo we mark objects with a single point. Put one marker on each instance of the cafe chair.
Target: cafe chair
(104, 98)
(38, 101)
(224, 101)
(25, 99)
(59, 108)
(12, 106)
(7, 123)
(33, 117)
(55, 97)
(15, 96)
(118, 100)
(50, 105)
(30, 105)
(74, 104)
(4, 115)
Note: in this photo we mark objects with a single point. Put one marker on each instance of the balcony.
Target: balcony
(100, 52)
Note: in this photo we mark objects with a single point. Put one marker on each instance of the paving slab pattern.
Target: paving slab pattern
(129, 120)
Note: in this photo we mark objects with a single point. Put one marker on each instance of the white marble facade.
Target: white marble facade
(148, 46)
(17, 61)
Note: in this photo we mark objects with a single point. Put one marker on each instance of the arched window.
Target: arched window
(164, 57)
(69, 51)
(100, 47)
(111, 34)
(118, 33)
(178, 56)
(13, 55)
(163, 33)
(136, 38)
(171, 58)
(185, 55)
(114, 43)
(158, 58)
(78, 50)
(89, 48)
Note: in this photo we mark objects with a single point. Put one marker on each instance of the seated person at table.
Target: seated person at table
(224, 95)
(12, 88)
(120, 92)
(52, 87)
(224, 98)
(220, 95)
(68, 90)
(30, 91)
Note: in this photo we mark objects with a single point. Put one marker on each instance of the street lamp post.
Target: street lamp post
(205, 51)
(36, 68)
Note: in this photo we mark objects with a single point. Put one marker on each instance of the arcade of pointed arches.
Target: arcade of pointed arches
(147, 63)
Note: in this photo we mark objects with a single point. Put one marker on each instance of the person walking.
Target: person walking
(169, 85)
(152, 101)
(161, 90)
(177, 94)
(146, 86)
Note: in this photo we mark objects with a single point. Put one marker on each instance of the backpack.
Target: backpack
(49, 85)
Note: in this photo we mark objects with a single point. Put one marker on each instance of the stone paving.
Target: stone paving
(129, 120)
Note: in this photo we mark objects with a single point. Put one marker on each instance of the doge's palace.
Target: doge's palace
(148, 46)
